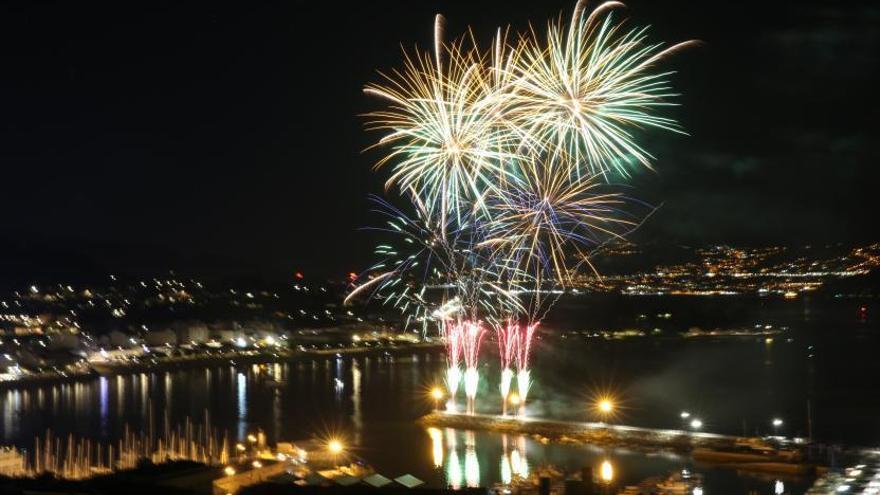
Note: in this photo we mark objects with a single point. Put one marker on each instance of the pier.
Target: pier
(745, 453)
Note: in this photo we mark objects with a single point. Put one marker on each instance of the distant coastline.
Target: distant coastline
(166, 364)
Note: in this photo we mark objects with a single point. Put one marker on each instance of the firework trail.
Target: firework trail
(587, 88)
(507, 343)
(454, 340)
(445, 151)
(472, 338)
(408, 261)
(545, 228)
(523, 351)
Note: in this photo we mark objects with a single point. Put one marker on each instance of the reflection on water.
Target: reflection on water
(471, 463)
(506, 472)
(436, 446)
(242, 407)
(356, 418)
(11, 406)
(519, 460)
(606, 471)
(453, 471)
(513, 465)
(374, 401)
(105, 404)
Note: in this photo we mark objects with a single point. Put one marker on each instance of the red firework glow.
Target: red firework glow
(453, 334)
(472, 337)
(508, 338)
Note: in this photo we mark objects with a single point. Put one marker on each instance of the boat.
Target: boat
(681, 483)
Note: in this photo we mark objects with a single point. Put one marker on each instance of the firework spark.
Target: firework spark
(525, 335)
(445, 148)
(586, 89)
(546, 224)
(507, 338)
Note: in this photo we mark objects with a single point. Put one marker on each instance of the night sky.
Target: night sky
(227, 136)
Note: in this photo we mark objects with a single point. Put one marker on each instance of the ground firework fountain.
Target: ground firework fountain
(507, 343)
(453, 335)
(524, 336)
(472, 337)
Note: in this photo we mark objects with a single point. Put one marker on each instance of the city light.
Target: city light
(605, 407)
(606, 472)
(229, 470)
(437, 395)
(436, 446)
(777, 422)
(685, 415)
(335, 446)
(696, 423)
(778, 487)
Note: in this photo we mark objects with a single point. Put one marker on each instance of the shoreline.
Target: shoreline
(112, 369)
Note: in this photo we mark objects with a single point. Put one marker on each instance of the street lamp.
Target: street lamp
(778, 487)
(335, 447)
(684, 415)
(606, 472)
(696, 423)
(777, 422)
(437, 395)
(605, 407)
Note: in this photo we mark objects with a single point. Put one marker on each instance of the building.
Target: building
(192, 332)
(11, 462)
(160, 337)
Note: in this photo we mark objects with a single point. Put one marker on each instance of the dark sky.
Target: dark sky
(227, 133)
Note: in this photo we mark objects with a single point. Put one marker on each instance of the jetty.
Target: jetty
(745, 453)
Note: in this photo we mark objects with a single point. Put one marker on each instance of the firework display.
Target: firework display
(509, 159)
